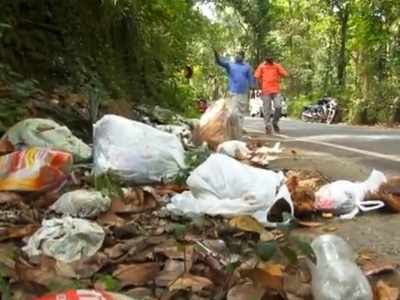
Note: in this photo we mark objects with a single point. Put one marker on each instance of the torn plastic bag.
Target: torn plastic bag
(215, 126)
(66, 239)
(234, 149)
(346, 198)
(136, 152)
(225, 186)
(34, 169)
(82, 204)
(47, 134)
(85, 295)
(336, 275)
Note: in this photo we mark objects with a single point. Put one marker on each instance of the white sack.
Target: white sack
(135, 151)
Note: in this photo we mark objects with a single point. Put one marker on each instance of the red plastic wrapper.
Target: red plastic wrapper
(34, 169)
(79, 295)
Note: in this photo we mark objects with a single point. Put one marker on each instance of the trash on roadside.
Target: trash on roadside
(34, 169)
(136, 152)
(225, 186)
(234, 149)
(336, 275)
(82, 204)
(264, 155)
(47, 134)
(66, 239)
(389, 193)
(183, 132)
(214, 125)
(85, 295)
(347, 198)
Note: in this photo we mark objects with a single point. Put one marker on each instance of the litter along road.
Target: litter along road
(370, 147)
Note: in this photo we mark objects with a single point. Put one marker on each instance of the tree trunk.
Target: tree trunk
(342, 60)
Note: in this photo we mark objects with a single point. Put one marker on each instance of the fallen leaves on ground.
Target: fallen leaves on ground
(384, 292)
(266, 275)
(372, 263)
(192, 283)
(248, 223)
(6, 147)
(246, 291)
(17, 232)
(137, 274)
(135, 200)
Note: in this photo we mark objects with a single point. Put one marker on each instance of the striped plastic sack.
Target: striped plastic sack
(85, 295)
(34, 169)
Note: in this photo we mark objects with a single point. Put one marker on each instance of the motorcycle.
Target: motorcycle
(325, 111)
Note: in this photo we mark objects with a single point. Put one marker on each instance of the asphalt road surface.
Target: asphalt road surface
(371, 147)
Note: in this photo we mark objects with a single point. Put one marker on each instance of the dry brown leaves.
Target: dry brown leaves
(192, 283)
(383, 291)
(137, 274)
(245, 291)
(136, 200)
(266, 275)
(248, 223)
(371, 263)
(6, 147)
(389, 193)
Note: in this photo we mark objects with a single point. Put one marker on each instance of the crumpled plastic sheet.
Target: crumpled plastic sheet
(224, 186)
(82, 203)
(47, 134)
(34, 169)
(66, 239)
(136, 152)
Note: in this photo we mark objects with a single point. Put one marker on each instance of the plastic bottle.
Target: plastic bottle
(336, 275)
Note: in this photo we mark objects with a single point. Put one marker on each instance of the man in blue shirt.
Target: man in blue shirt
(240, 80)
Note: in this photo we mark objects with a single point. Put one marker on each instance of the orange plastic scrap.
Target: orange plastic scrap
(78, 295)
(34, 169)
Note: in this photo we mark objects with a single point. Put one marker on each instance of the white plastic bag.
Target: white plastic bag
(234, 149)
(336, 275)
(346, 198)
(67, 239)
(82, 204)
(225, 186)
(135, 151)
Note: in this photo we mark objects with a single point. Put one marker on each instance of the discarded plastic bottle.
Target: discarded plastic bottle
(336, 276)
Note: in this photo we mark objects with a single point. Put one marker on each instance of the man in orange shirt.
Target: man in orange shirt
(268, 75)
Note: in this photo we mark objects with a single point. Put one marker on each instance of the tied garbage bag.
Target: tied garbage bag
(47, 134)
(136, 152)
(82, 204)
(347, 198)
(336, 275)
(85, 295)
(215, 124)
(225, 186)
(67, 239)
(34, 169)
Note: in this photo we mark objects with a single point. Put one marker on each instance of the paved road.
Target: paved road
(370, 146)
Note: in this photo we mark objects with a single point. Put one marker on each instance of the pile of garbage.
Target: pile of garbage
(126, 227)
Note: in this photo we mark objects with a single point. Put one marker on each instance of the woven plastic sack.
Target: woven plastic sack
(85, 295)
(34, 169)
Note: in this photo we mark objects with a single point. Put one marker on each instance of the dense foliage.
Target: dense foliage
(144, 51)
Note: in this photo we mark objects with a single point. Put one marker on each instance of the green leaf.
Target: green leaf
(290, 254)
(231, 267)
(266, 250)
(305, 249)
(180, 231)
(110, 283)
